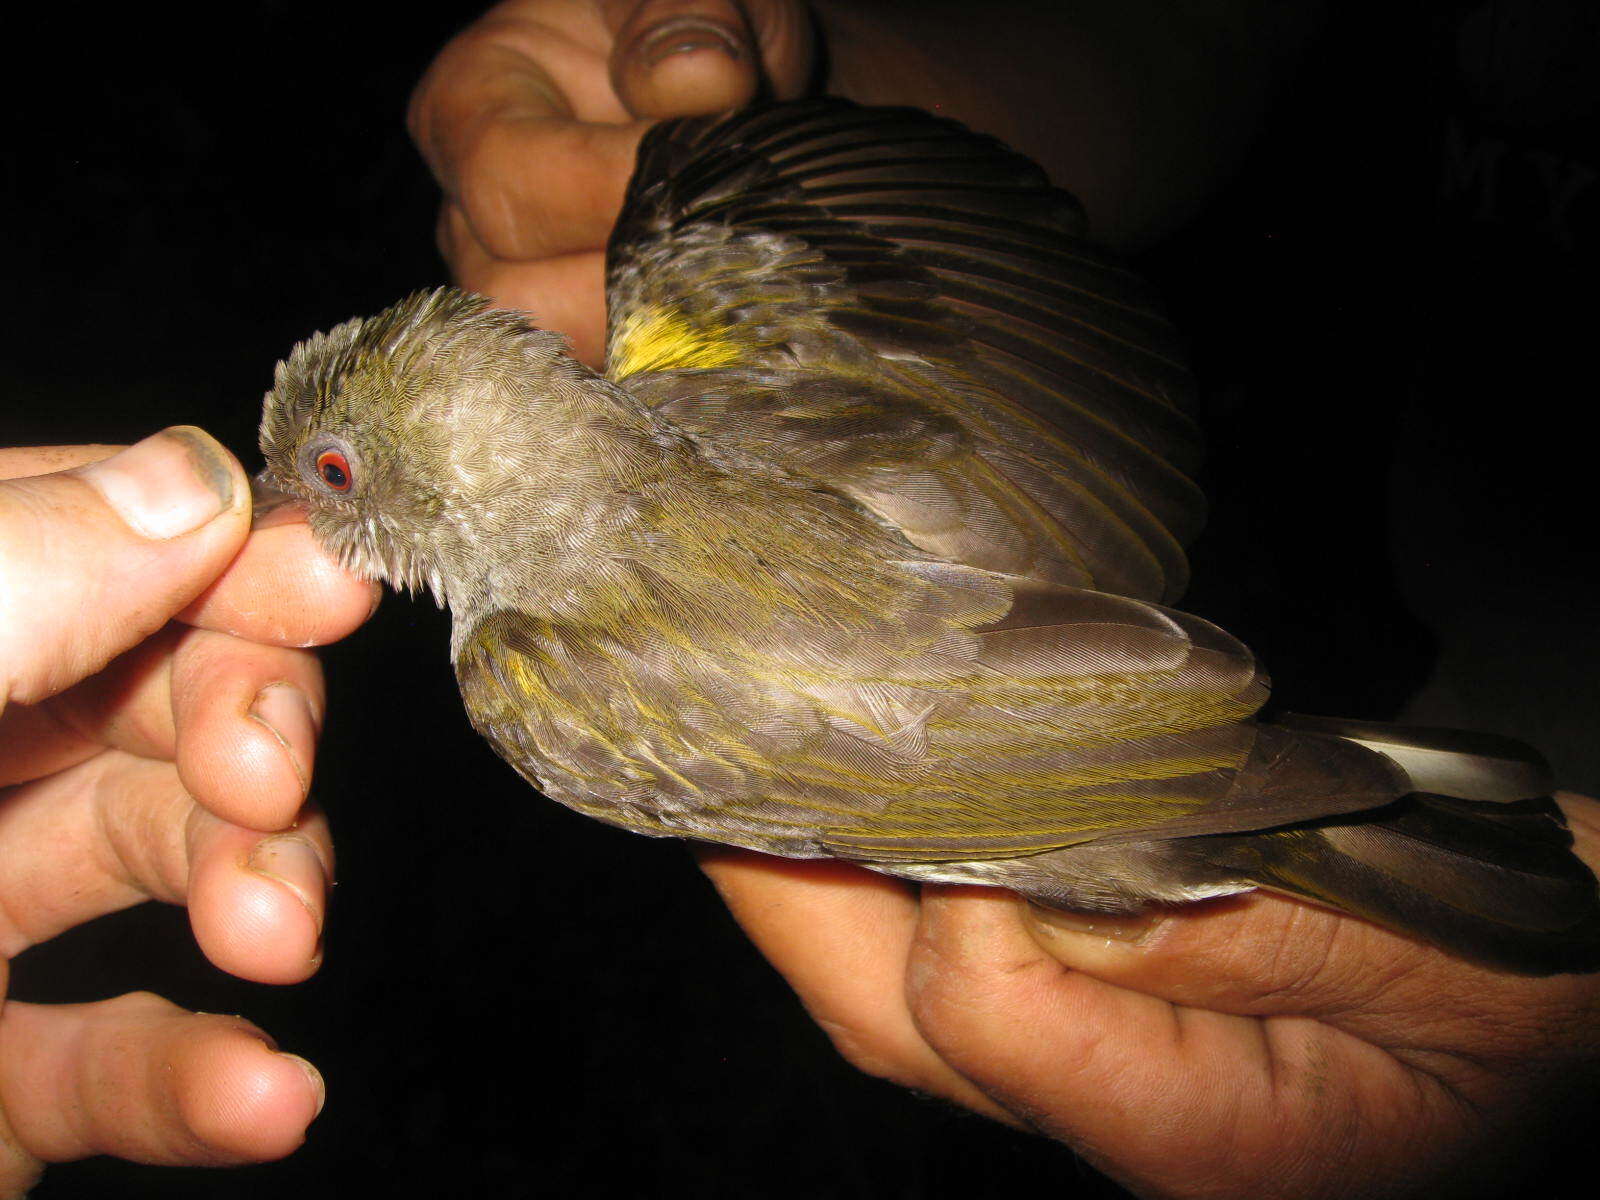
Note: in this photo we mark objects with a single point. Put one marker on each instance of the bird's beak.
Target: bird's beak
(270, 506)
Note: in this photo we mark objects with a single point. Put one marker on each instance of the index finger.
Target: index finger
(841, 937)
(284, 589)
(518, 123)
(139, 1078)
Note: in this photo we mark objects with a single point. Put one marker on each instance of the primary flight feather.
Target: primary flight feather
(859, 549)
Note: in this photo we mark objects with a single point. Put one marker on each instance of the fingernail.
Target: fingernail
(285, 711)
(169, 484)
(685, 35)
(314, 1075)
(291, 860)
(1131, 928)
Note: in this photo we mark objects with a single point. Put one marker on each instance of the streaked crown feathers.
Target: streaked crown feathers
(405, 345)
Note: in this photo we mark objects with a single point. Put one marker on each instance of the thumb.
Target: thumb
(1252, 955)
(679, 58)
(1260, 954)
(99, 557)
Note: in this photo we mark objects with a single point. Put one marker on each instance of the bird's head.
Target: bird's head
(411, 436)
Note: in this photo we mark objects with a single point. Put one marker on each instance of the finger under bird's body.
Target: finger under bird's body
(860, 547)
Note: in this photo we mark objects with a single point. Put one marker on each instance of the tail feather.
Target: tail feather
(1446, 762)
(1495, 883)
(1477, 860)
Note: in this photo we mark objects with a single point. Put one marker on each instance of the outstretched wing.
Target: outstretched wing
(906, 312)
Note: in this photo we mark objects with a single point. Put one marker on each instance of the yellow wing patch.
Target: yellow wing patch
(659, 339)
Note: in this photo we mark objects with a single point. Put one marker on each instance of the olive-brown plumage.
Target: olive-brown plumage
(859, 548)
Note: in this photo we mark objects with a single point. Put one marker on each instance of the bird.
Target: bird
(865, 545)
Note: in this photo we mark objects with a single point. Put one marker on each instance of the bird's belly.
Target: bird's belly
(656, 786)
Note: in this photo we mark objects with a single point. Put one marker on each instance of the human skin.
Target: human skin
(158, 730)
(1255, 1046)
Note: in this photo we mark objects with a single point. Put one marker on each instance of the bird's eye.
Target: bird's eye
(333, 468)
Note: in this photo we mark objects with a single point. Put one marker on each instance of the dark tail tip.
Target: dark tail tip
(1493, 882)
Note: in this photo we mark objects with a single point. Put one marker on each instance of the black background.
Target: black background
(1392, 337)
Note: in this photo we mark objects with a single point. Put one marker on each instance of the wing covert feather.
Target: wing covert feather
(1092, 717)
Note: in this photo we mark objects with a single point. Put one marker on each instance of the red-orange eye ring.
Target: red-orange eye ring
(333, 468)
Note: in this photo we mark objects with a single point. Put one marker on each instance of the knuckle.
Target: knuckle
(503, 225)
(1300, 956)
(1306, 958)
(959, 993)
(19, 1170)
(26, 562)
(138, 1005)
(868, 1050)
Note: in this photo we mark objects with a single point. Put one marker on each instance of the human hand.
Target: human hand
(1248, 1047)
(530, 119)
(157, 730)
